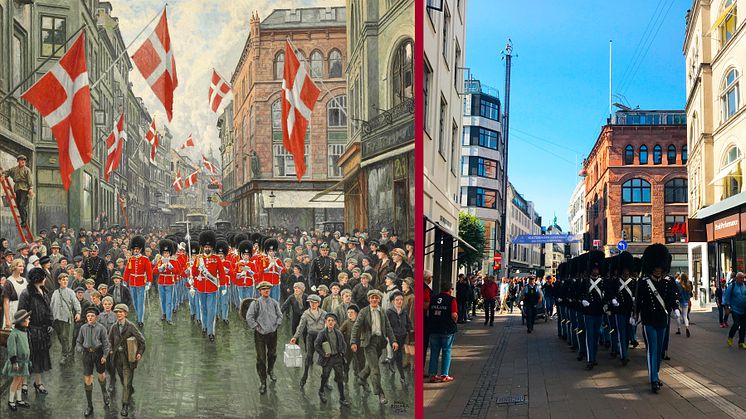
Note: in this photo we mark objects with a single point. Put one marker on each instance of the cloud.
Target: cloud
(204, 35)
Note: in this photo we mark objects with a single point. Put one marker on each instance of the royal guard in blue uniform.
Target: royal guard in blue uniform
(169, 270)
(619, 297)
(592, 300)
(223, 250)
(138, 274)
(208, 274)
(245, 271)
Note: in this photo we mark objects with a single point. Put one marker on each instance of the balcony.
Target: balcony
(388, 130)
(17, 119)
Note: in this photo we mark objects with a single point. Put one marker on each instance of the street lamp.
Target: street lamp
(272, 197)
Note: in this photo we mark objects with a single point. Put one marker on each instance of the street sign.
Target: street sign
(597, 243)
(622, 245)
(545, 238)
(498, 257)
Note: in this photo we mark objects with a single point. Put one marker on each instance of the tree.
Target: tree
(471, 229)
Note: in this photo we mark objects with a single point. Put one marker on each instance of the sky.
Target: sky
(204, 35)
(560, 79)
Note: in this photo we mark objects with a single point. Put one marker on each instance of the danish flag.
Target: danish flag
(178, 184)
(155, 60)
(114, 147)
(219, 88)
(191, 180)
(189, 142)
(215, 181)
(63, 98)
(300, 94)
(209, 166)
(152, 139)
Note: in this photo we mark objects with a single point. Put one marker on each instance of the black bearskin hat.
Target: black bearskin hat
(611, 264)
(36, 275)
(256, 238)
(167, 246)
(595, 259)
(238, 238)
(207, 238)
(626, 262)
(195, 247)
(245, 246)
(656, 256)
(137, 241)
(636, 265)
(270, 244)
(221, 247)
(562, 271)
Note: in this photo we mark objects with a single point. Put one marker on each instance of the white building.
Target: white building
(522, 219)
(576, 216)
(443, 38)
(554, 253)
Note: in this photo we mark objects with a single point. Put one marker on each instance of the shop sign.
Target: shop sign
(727, 226)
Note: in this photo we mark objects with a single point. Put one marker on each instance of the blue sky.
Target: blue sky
(560, 78)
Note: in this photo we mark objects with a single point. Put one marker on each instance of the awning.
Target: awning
(725, 171)
(167, 211)
(722, 17)
(296, 199)
(459, 242)
(724, 205)
(335, 192)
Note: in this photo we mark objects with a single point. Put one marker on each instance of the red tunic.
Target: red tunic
(138, 271)
(265, 272)
(244, 277)
(229, 272)
(169, 276)
(214, 266)
(184, 264)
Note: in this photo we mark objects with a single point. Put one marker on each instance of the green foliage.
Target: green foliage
(471, 229)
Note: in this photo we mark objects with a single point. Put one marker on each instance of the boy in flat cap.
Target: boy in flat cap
(66, 311)
(311, 323)
(264, 317)
(330, 345)
(93, 343)
(295, 305)
(118, 335)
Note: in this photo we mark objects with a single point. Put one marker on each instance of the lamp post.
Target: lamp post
(272, 197)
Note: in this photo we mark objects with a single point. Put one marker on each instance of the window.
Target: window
(684, 154)
(276, 117)
(489, 109)
(279, 65)
(402, 72)
(283, 161)
(671, 154)
(19, 62)
(426, 91)
(482, 167)
(442, 125)
(643, 154)
(729, 98)
(676, 191)
(335, 150)
(454, 148)
(636, 191)
(637, 228)
(728, 27)
(482, 137)
(446, 25)
(456, 62)
(335, 64)
(317, 64)
(53, 36)
(675, 229)
(481, 197)
(629, 154)
(335, 110)
(657, 154)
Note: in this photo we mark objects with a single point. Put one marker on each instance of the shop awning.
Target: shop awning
(458, 241)
(724, 15)
(725, 171)
(726, 204)
(296, 199)
(335, 192)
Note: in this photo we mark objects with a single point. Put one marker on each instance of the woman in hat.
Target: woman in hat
(14, 286)
(19, 358)
(35, 298)
(384, 266)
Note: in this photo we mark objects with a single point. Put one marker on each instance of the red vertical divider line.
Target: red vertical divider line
(419, 58)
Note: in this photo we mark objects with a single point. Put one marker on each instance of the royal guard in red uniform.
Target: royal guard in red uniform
(208, 274)
(183, 259)
(138, 274)
(223, 251)
(245, 271)
(169, 271)
(194, 309)
(269, 267)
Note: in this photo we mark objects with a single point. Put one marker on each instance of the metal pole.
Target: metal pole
(610, 44)
(506, 120)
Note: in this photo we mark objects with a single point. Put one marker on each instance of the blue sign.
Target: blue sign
(546, 238)
(622, 245)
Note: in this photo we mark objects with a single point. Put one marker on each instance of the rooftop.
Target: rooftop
(311, 17)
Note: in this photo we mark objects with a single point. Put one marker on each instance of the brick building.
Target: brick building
(636, 183)
(266, 190)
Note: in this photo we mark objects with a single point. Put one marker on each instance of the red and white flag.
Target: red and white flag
(155, 60)
(209, 166)
(152, 138)
(188, 143)
(63, 98)
(191, 180)
(114, 147)
(300, 94)
(178, 184)
(216, 181)
(219, 88)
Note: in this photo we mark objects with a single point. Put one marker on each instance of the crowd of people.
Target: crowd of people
(349, 299)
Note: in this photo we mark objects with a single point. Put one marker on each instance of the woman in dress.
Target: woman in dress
(35, 298)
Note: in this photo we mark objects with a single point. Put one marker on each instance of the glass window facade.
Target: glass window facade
(637, 228)
(636, 191)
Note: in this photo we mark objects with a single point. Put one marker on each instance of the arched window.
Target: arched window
(643, 154)
(676, 191)
(335, 110)
(732, 181)
(629, 154)
(335, 64)
(671, 154)
(317, 64)
(276, 115)
(279, 65)
(401, 77)
(728, 26)
(729, 97)
(657, 154)
(636, 191)
(684, 154)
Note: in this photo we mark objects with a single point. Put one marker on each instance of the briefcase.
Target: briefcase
(292, 356)
(132, 349)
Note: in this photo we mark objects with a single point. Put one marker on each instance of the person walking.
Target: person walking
(35, 299)
(311, 323)
(734, 300)
(93, 344)
(264, 316)
(18, 358)
(462, 297)
(139, 276)
(120, 353)
(685, 296)
(531, 297)
(443, 315)
(66, 311)
(489, 294)
(330, 345)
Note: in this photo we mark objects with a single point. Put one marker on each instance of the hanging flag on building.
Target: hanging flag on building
(63, 98)
(209, 166)
(298, 100)
(215, 181)
(219, 88)
(178, 184)
(152, 138)
(188, 143)
(155, 60)
(191, 180)
(114, 147)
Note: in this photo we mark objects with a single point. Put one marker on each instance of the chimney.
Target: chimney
(254, 25)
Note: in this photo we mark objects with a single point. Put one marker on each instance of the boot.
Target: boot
(125, 410)
(342, 400)
(107, 399)
(89, 399)
(322, 396)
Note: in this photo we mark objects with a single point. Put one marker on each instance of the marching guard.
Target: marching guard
(593, 304)
(138, 275)
(208, 275)
(244, 271)
(619, 298)
(169, 272)
(269, 267)
(222, 249)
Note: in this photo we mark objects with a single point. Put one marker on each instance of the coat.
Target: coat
(117, 339)
(18, 351)
(361, 330)
(322, 337)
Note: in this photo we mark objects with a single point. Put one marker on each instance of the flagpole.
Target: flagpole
(53, 55)
(113, 63)
(334, 98)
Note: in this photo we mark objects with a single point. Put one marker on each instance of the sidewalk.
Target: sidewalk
(494, 367)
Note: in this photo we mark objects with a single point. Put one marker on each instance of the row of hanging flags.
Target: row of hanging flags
(62, 97)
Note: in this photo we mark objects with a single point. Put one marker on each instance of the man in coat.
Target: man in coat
(330, 345)
(122, 330)
(264, 317)
(95, 267)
